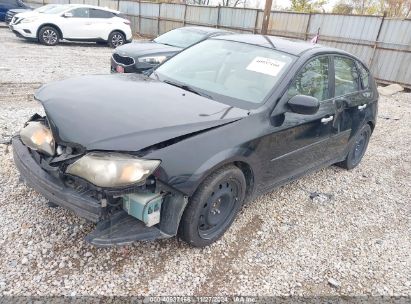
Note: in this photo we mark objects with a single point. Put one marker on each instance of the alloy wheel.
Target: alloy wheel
(117, 40)
(49, 37)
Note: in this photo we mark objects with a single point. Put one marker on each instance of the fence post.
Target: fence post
(139, 17)
(218, 16)
(256, 22)
(308, 26)
(158, 19)
(376, 41)
(266, 16)
(185, 14)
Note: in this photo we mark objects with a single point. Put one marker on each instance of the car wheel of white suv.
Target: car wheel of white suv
(49, 35)
(116, 39)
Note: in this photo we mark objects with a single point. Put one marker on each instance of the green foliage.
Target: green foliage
(306, 6)
(392, 8)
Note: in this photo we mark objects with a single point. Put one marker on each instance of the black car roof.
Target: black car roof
(204, 29)
(282, 44)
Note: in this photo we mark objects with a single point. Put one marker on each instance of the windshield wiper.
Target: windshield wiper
(187, 88)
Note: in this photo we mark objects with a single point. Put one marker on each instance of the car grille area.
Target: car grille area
(8, 17)
(125, 60)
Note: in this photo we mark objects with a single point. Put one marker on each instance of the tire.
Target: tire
(213, 207)
(357, 149)
(116, 39)
(49, 35)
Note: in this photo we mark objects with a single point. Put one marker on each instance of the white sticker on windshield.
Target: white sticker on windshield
(266, 66)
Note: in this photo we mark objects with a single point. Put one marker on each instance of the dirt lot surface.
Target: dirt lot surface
(352, 239)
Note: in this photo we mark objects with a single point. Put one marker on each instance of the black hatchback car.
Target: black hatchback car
(140, 56)
(180, 151)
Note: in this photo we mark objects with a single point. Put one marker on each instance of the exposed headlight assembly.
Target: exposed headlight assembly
(28, 20)
(152, 59)
(38, 137)
(112, 169)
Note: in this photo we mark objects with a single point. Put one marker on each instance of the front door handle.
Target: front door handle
(326, 120)
(362, 107)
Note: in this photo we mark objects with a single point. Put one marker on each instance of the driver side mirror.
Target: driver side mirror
(303, 104)
(67, 15)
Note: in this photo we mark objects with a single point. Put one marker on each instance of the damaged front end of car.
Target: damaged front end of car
(119, 191)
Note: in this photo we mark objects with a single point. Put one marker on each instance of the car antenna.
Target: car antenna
(269, 41)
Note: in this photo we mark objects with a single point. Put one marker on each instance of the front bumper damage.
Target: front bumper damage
(52, 188)
(113, 228)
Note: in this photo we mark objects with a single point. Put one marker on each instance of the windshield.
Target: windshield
(56, 10)
(242, 72)
(180, 37)
(42, 9)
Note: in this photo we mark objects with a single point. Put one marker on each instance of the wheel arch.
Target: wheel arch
(372, 125)
(245, 167)
(51, 25)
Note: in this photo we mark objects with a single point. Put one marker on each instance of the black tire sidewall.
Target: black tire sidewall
(191, 216)
(110, 37)
(43, 29)
(350, 164)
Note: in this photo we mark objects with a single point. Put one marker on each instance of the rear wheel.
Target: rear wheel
(49, 35)
(116, 39)
(213, 207)
(357, 149)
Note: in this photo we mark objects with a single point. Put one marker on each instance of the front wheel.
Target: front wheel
(357, 149)
(48, 35)
(213, 207)
(116, 39)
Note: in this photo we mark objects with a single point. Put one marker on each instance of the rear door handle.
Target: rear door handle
(362, 107)
(326, 120)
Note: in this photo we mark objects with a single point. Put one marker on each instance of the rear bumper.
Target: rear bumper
(52, 188)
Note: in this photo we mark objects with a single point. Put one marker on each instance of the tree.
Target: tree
(396, 8)
(392, 8)
(306, 6)
(233, 3)
(197, 2)
(343, 8)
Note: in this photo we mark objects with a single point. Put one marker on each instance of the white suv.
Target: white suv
(75, 22)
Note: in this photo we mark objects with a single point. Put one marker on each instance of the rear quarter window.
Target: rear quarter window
(96, 13)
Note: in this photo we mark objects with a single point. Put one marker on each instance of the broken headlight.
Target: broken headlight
(112, 169)
(37, 136)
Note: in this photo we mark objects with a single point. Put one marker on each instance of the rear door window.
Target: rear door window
(81, 12)
(346, 76)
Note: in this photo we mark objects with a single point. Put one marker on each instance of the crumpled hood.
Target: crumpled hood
(127, 112)
(138, 49)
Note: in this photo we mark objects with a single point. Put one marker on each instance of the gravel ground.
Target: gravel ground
(353, 239)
